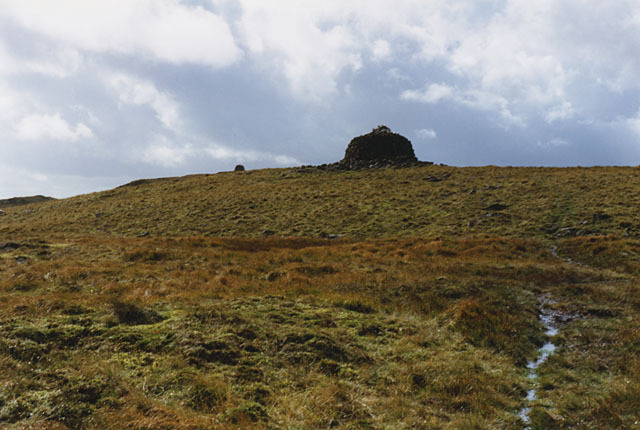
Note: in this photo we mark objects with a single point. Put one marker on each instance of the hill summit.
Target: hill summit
(379, 148)
(20, 201)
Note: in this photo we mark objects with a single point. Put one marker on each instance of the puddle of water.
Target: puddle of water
(546, 350)
(547, 318)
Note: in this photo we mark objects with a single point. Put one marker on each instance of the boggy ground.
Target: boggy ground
(232, 311)
(193, 332)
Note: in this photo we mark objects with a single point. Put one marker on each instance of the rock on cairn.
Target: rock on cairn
(380, 148)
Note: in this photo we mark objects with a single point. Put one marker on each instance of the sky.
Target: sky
(94, 94)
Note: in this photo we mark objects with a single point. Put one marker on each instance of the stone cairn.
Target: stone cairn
(380, 148)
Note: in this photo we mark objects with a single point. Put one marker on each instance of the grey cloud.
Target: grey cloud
(521, 81)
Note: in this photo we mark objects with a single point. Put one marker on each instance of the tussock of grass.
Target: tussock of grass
(133, 314)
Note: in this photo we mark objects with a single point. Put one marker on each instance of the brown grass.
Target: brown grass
(546, 202)
(416, 318)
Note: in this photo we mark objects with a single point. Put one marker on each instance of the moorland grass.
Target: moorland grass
(426, 201)
(423, 315)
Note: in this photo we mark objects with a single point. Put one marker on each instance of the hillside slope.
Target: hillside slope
(419, 201)
(181, 303)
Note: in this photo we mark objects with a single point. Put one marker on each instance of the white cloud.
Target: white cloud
(165, 151)
(396, 74)
(527, 53)
(7, 62)
(492, 102)
(11, 103)
(37, 126)
(527, 59)
(426, 133)
(59, 64)
(221, 152)
(166, 154)
(19, 181)
(555, 142)
(165, 30)
(309, 43)
(433, 94)
(634, 124)
(318, 46)
(136, 91)
(560, 112)
(516, 58)
(475, 99)
(381, 50)
(285, 160)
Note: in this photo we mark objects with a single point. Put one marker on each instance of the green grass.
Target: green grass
(423, 315)
(371, 203)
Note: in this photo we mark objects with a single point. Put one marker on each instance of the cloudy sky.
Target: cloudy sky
(95, 93)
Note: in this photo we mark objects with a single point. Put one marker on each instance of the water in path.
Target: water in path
(547, 318)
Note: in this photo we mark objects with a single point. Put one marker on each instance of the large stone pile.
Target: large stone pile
(380, 148)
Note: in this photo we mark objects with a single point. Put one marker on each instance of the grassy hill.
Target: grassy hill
(421, 201)
(305, 299)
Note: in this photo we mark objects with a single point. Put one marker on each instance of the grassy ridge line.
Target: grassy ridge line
(420, 201)
(21, 201)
